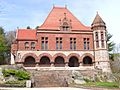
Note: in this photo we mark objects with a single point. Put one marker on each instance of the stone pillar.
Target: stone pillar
(52, 64)
(66, 64)
(37, 65)
(80, 64)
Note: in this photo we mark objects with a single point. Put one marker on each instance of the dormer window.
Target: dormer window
(65, 24)
(26, 45)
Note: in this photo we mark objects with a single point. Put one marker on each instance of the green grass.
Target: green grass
(103, 84)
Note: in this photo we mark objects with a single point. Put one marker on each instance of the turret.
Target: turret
(100, 44)
(99, 30)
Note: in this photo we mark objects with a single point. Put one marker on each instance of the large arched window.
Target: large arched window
(59, 61)
(73, 62)
(44, 61)
(29, 61)
(87, 60)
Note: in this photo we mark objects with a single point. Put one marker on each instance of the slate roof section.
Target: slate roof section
(26, 34)
(52, 22)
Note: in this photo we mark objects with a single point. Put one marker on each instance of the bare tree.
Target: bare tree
(115, 65)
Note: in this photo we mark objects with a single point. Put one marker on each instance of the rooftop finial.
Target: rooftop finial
(65, 6)
(97, 12)
(65, 15)
(53, 5)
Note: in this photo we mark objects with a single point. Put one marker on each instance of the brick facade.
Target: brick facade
(62, 39)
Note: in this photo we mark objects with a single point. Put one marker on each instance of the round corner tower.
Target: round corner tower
(100, 44)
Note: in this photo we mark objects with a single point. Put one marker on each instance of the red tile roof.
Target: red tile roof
(26, 34)
(57, 13)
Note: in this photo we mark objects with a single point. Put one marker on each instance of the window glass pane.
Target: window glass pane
(88, 46)
(42, 45)
(60, 45)
(32, 44)
(74, 45)
(46, 45)
(70, 45)
(26, 44)
(84, 45)
(97, 44)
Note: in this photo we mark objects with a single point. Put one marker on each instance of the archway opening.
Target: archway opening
(29, 61)
(44, 61)
(87, 60)
(59, 62)
(73, 62)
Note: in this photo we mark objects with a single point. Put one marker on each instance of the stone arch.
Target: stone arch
(73, 61)
(44, 61)
(29, 61)
(45, 54)
(87, 60)
(29, 54)
(75, 55)
(61, 55)
(88, 54)
(59, 61)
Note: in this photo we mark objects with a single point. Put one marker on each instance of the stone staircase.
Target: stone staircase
(50, 79)
(54, 78)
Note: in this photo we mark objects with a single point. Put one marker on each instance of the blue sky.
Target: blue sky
(23, 13)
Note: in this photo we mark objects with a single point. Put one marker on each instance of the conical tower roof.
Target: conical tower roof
(98, 21)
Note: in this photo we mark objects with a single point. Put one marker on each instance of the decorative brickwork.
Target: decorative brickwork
(45, 54)
(29, 54)
(75, 55)
(59, 54)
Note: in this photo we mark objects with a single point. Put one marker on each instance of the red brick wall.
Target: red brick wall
(52, 41)
(65, 40)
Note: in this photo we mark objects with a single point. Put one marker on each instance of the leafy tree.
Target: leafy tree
(37, 27)
(28, 27)
(3, 47)
(111, 45)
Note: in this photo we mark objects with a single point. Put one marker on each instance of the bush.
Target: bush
(15, 83)
(20, 74)
(9, 72)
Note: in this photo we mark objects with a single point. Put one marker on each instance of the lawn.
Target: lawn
(102, 84)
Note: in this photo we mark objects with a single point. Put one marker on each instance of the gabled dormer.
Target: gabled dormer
(65, 24)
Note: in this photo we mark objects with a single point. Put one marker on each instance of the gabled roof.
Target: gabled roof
(52, 22)
(98, 20)
(26, 34)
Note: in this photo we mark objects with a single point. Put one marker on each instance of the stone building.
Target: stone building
(63, 41)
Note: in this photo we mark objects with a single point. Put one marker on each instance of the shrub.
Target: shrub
(22, 75)
(14, 83)
(9, 72)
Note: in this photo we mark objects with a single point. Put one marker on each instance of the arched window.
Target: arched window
(65, 26)
(26, 45)
(32, 45)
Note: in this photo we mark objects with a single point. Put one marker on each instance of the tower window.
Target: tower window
(97, 44)
(102, 43)
(102, 37)
(96, 35)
